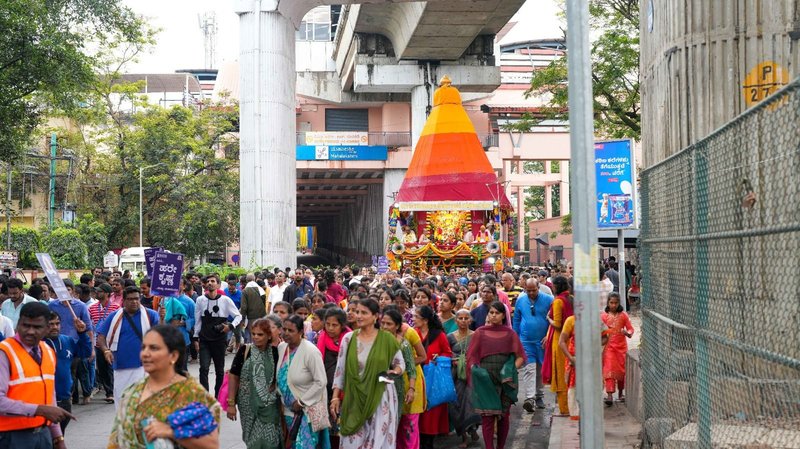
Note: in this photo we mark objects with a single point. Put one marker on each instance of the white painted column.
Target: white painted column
(548, 193)
(564, 190)
(392, 180)
(521, 217)
(267, 172)
(419, 114)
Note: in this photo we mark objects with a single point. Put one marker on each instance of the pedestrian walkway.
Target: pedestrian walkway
(622, 431)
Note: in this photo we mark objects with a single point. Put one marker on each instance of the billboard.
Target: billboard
(342, 153)
(314, 138)
(616, 185)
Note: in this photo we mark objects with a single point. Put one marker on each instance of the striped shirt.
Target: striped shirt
(98, 312)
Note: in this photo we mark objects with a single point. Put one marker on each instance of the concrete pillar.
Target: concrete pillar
(267, 172)
(392, 180)
(420, 99)
(564, 191)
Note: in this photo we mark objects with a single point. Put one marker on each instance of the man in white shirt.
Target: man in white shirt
(16, 299)
(276, 291)
(211, 327)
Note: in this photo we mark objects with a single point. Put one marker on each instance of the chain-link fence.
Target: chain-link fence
(720, 259)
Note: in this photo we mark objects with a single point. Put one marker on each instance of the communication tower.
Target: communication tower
(208, 25)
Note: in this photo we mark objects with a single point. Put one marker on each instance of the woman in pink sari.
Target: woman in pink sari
(619, 330)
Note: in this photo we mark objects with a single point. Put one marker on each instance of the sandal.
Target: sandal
(609, 402)
(109, 400)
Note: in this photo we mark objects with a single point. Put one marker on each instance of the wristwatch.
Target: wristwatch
(57, 440)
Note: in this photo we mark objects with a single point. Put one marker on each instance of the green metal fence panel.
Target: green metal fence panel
(720, 266)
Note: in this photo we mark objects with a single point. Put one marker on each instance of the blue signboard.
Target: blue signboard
(383, 265)
(342, 153)
(614, 171)
(150, 258)
(167, 272)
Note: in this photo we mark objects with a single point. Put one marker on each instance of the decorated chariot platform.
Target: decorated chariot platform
(450, 210)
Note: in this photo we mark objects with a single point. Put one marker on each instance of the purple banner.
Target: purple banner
(383, 264)
(150, 257)
(167, 272)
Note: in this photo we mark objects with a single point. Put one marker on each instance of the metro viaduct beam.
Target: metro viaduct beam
(355, 182)
(308, 201)
(329, 193)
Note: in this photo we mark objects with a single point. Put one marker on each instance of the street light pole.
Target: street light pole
(141, 172)
(8, 206)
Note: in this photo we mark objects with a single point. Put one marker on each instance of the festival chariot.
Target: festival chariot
(451, 211)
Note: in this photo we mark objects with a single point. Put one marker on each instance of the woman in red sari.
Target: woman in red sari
(434, 421)
(619, 330)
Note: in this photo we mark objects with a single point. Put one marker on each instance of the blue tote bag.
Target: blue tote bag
(439, 386)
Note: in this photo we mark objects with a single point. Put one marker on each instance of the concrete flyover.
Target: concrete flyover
(437, 30)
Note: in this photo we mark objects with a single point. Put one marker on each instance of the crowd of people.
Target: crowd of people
(320, 358)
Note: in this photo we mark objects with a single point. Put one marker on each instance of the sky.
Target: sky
(180, 43)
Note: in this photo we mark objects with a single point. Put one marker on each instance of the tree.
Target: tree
(65, 245)
(94, 236)
(27, 242)
(44, 62)
(615, 72)
(191, 190)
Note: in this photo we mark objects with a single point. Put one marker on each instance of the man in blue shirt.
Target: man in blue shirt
(72, 325)
(530, 323)
(120, 339)
(65, 352)
(76, 323)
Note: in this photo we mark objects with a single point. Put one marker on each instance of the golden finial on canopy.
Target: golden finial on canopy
(446, 93)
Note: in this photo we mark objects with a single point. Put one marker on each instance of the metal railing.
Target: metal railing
(720, 256)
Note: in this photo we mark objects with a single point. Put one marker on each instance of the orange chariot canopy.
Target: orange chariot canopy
(449, 163)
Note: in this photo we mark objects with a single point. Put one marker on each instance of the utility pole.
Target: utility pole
(8, 205)
(53, 147)
(587, 291)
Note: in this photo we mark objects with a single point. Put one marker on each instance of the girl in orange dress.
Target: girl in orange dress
(619, 330)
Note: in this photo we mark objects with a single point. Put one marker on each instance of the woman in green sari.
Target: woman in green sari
(144, 407)
(495, 354)
(367, 359)
(251, 385)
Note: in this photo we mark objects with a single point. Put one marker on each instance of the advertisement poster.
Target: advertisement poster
(616, 181)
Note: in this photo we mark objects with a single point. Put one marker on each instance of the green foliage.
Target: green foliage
(223, 270)
(566, 224)
(27, 242)
(615, 72)
(43, 60)
(95, 238)
(65, 245)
